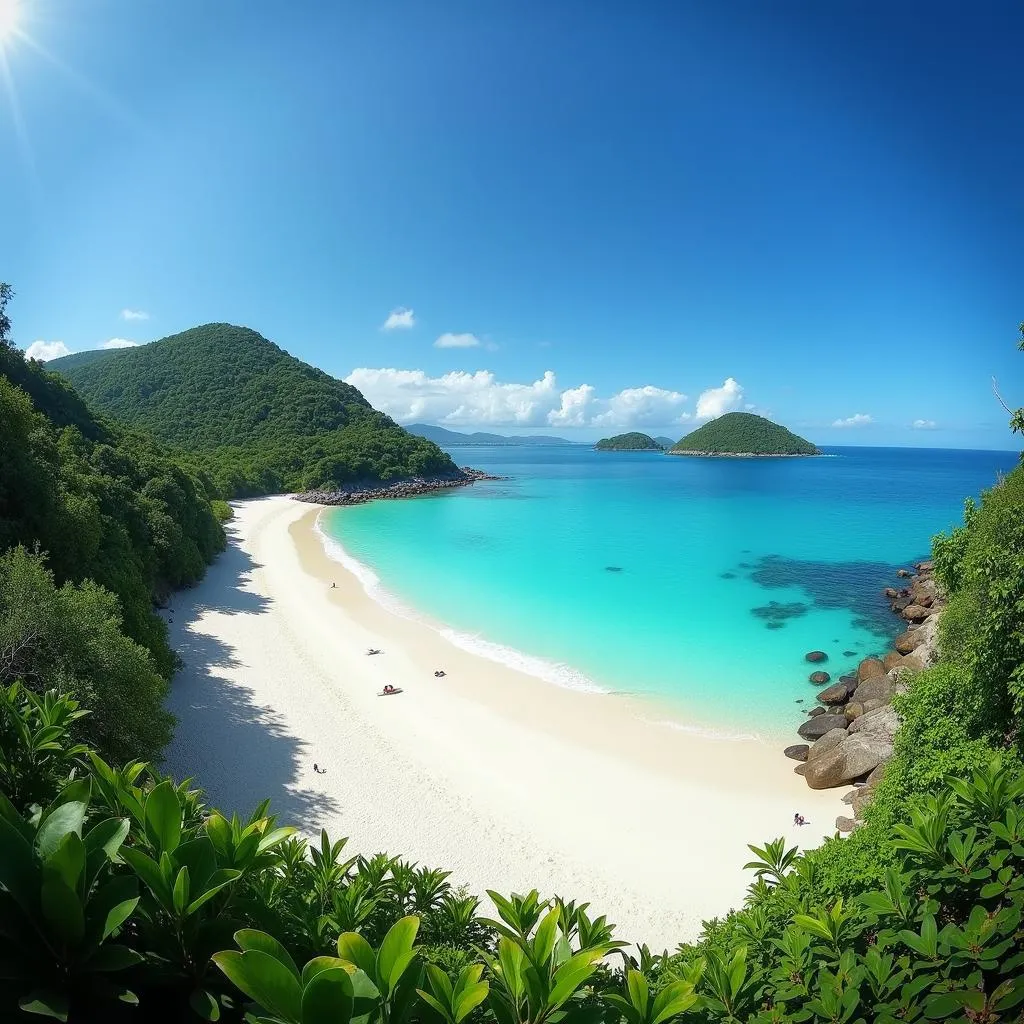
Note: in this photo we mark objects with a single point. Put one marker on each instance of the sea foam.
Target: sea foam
(557, 673)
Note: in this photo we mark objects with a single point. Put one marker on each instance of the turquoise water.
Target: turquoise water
(703, 581)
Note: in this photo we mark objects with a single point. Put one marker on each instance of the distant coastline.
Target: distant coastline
(410, 487)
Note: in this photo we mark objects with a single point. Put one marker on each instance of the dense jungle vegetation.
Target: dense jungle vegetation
(254, 418)
(743, 433)
(123, 897)
(634, 441)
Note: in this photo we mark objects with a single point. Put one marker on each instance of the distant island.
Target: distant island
(634, 441)
(440, 435)
(665, 442)
(743, 434)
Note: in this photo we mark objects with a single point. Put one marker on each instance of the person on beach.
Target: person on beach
(318, 769)
(439, 673)
(372, 650)
(389, 689)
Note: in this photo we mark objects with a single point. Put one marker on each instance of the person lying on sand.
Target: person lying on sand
(372, 650)
(439, 673)
(318, 769)
(389, 691)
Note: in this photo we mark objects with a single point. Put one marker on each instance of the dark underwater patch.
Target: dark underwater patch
(776, 614)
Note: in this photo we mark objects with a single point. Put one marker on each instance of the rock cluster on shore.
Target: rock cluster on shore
(850, 732)
(358, 492)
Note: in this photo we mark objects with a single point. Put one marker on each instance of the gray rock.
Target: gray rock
(855, 756)
(875, 688)
(814, 712)
(837, 693)
(915, 613)
(862, 796)
(798, 751)
(824, 744)
(845, 824)
(875, 777)
(892, 660)
(868, 668)
(882, 721)
(813, 728)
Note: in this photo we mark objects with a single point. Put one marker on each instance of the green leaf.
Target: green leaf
(469, 999)
(62, 909)
(396, 952)
(441, 1010)
(440, 983)
(163, 817)
(68, 861)
(18, 873)
(180, 893)
(264, 979)
(671, 1001)
(328, 998)
(220, 880)
(356, 950)
(107, 835)
(250, 938)
(58, 823)
(204, 1005)
(112, 905)
(321, 963)
(636, 985)
(149, 872)
(544, 940)
(113, 957)
(45, 1004)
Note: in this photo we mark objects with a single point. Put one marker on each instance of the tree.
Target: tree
(6, 291)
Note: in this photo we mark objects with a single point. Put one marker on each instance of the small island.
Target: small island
(743, 435)
(631, 442)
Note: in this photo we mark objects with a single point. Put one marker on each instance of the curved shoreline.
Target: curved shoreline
(501, 778)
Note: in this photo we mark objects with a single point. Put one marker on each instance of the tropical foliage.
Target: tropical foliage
(257, 419)
(123, 897)
(631, 442)
(743, 433)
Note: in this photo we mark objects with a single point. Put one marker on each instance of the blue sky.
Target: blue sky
(591, 209)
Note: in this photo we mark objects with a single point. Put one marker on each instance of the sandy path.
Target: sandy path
(509, 782)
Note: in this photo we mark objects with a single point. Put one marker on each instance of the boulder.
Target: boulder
(882, 721)
(819, 678)
(892, 660)
(875, 688)
(875, 776)
(815, 727)
(926, 566)
(909, 641)
(915, 613)
(798, 751)
(851, 681)
(838, 693)
(924, 590)
(814, 712)
(853, 710)
(855, 756)
(861, 798)
(848, 797)
(901, 602)
(816, 656)
(870, 667)
(825, 743)
(891, 592)
(873, 704)
(903, 573)
(845, 824)
(916, 661)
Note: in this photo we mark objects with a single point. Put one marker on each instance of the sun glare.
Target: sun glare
(9, 10)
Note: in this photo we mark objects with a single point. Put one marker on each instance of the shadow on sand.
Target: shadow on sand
(235, 749)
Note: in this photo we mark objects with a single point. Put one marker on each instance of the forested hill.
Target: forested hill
(634, 441)
(743, 433)
(96, 523)
(257, 418)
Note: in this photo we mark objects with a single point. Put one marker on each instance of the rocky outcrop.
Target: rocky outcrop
(853, 730)
(819, 678)
(361, 491)
(798, 751)
(815, 656)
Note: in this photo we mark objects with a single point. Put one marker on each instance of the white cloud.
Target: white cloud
(45, 350)
(119, 343)
(449, 340)
(716, 402)
(134, 314)
(924, 425)
(461, 398)
(399, 318)
(860, 419)
(643, 407)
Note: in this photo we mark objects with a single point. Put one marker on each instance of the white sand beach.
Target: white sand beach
(508, 781)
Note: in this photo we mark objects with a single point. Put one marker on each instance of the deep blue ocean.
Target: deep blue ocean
(702, 581)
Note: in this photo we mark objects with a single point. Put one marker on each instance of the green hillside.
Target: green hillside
(743, 433)
(96, 523)
(631, 442)
(257, 418)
